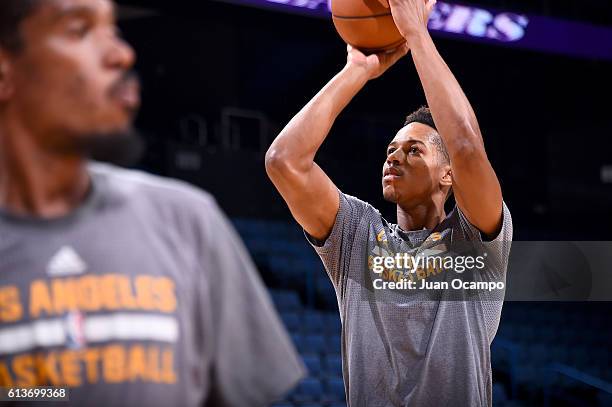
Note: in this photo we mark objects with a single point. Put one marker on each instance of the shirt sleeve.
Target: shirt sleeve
(254, 361)
(335, 251)
(499, 246)
(498, 253)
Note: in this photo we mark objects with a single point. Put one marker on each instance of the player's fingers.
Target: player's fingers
(399, 52)
(390, 57)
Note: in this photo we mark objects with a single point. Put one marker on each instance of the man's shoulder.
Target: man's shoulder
(357, 204)
(139, 185)
(459, 222)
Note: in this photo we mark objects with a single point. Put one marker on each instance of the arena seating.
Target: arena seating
(316, 335)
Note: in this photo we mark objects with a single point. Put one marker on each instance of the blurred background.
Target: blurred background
(221, 79)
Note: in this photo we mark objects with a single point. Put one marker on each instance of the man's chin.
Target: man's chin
(389, 195)
(124, 147)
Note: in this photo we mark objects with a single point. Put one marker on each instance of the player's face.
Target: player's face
(70, 80)
(412, 169)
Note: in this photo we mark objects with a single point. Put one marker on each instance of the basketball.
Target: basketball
(366, 25)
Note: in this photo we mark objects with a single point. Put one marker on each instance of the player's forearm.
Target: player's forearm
(450, 108)
(299, 141)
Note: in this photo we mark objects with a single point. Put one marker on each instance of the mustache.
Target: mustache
(128, 78)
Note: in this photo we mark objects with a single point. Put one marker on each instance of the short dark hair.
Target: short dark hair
(12, 14)
(423, 115)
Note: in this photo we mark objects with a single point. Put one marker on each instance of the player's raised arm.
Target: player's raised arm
(311, 196)
(475, 185)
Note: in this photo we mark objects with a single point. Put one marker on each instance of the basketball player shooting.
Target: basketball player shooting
(411, 353)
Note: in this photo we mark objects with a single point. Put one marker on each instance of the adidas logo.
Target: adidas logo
(66, 262)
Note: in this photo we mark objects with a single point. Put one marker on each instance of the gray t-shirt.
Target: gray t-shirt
(403, 349)
(143, 296)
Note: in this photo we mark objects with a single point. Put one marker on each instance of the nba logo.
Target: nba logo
(75, 329)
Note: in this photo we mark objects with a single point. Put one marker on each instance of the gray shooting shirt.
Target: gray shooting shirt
(405, 348)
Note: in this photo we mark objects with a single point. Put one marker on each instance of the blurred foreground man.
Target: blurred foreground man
(128, 288)
(402, 346)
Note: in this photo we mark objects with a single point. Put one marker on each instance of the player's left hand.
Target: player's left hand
(375, 64)
(411, 16)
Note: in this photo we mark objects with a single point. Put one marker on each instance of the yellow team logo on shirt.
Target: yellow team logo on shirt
(435, 236)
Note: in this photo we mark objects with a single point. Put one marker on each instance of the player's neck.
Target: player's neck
(35, 182)
(422, 216)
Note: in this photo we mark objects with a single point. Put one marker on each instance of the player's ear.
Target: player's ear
(447, 176)
(6, 80)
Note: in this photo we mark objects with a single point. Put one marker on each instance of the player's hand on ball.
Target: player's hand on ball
(375, 64)
(411, 16)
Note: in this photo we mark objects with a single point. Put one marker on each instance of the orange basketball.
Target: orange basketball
(366, 25)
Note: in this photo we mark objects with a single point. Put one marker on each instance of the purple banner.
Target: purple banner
(490, 26)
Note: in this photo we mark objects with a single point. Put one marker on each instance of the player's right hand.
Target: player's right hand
(411, 16)
(375, 64)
